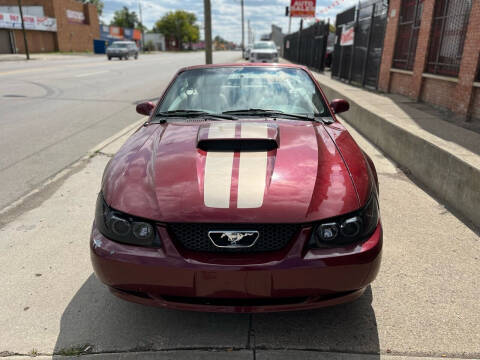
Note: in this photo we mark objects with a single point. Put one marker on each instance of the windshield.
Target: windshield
(217, 90)
(264, 45)
(117, 45)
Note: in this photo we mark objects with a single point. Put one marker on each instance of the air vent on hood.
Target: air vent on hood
(238, 136)
(237, 144)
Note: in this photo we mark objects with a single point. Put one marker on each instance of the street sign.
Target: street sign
(302, 8)
(348, 33)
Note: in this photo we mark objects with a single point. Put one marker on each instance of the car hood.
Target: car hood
(286, 171)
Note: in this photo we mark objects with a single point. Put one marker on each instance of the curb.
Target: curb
(450, 179)
(69, 169)
(114, 137)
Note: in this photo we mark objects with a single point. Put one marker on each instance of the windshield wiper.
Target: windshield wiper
(193, 113)
(269, 113)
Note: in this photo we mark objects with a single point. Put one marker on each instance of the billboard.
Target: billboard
(302, 8)
(13, 21)
(75, 16)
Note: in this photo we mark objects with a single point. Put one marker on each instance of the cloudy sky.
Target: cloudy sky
(226, 14)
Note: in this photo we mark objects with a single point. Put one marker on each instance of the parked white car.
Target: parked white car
(264, 51)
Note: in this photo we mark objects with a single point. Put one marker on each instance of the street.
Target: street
(424, 302)
(54, 111)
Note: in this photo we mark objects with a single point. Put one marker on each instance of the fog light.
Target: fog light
(351, 227)
(327, 232)
(120, 226)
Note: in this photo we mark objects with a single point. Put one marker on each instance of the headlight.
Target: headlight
(124, 228)
(347, 229)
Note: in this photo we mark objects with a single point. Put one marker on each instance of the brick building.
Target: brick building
(431, 54)
(76, 27)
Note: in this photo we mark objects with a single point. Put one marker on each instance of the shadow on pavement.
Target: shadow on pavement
(96, 318)
(349, 328)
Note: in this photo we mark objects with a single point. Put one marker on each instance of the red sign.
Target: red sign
(137, 34)
(347, 36)
(302, 8)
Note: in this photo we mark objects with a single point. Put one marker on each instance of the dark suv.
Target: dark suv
(122, 50)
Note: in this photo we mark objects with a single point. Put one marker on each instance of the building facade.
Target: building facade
(76, 26)
(432, 54)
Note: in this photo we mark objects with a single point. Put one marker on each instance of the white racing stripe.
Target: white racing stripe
(218, 169)
(253, 170)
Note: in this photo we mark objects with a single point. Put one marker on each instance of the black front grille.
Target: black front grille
(194, 236)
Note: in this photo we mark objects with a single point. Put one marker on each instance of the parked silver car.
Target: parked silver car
(264, 51)
(122, 50)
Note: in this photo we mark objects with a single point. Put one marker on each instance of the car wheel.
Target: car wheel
(109, 58)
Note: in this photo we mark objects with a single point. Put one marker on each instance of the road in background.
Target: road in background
(53, 111)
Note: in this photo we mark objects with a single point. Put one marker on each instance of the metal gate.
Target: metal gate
(308, 46)
(360, 63)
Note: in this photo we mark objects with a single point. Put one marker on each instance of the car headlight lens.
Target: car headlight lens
(124, 228)
(347, 229)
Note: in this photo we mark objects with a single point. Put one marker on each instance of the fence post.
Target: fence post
(364, 71)
(299, 41)
(352, 59)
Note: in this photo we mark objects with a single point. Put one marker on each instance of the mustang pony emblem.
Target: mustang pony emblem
(233, 239)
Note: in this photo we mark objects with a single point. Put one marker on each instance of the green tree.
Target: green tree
(97, 3)
(179, 25)
(125, 18)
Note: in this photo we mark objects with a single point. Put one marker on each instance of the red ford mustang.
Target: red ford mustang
(241, 193)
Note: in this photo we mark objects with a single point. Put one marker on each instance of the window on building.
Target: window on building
(449, 29)
(407, 35)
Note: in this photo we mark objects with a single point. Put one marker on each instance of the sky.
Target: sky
(226, 14)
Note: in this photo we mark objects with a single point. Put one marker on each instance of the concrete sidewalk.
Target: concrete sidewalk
(424, 302)
(442, 156)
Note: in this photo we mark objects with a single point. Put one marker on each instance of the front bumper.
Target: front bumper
(260, 61)
(291, 279)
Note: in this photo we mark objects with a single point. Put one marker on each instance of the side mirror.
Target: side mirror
(339, 105)
(145, 108)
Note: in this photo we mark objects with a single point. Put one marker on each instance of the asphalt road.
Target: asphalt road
(53, 110)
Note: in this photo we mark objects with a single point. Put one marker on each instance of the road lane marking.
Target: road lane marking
(65, 67)
(92, 73)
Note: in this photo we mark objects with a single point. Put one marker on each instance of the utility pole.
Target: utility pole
(289, 13)
(243, 28)
(23, 30)
(208, 31)
(249, 32)
(142, 42)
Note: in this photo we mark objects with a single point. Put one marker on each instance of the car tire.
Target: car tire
(109, 58)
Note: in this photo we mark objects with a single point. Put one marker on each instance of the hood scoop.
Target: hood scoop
(243, 136)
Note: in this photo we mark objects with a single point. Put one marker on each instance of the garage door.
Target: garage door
(5, 46)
